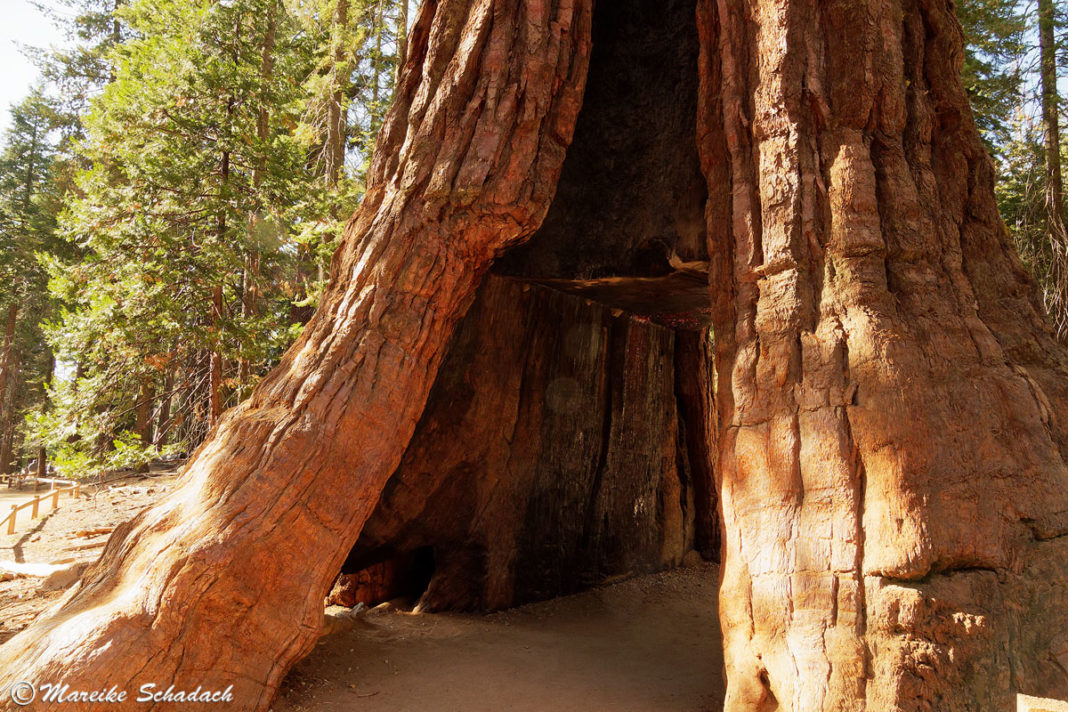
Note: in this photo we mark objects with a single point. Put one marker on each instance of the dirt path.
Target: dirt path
(650, 644)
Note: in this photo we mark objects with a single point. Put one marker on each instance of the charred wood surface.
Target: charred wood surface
(552, 454)
(631, 194)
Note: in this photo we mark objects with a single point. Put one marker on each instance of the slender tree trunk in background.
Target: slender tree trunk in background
(116, 32)
(402, 37)
(7, 446)
(42, 453)
(1057, 298)
(215, 365)
(7, 360)
(200, 589)
(1051, 108)
(891, 401)
(248, 305)
(27, 187)
(336, 121)
(8, 406)
(163, 421)
(143, 412)
(376, 65)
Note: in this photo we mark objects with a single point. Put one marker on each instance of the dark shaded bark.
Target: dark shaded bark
(696, 403)
(548, 459)
(631, 197)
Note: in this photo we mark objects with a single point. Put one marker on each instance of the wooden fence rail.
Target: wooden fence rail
(35, 504)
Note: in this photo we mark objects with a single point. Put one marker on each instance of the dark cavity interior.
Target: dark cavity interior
(627, 227)
(566, 441)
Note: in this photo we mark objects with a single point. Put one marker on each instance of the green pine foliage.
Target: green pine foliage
(193, 215)
(993, 65)
(169, 211)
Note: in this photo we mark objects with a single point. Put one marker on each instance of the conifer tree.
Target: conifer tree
(180, 217)
(28, 205)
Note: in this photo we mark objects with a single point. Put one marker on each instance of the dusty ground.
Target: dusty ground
(53, 538)
(651, 644)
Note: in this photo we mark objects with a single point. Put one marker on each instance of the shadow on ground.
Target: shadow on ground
(650, 644)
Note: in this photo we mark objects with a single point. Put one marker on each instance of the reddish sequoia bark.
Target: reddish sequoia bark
(223, 582)
(892, 443)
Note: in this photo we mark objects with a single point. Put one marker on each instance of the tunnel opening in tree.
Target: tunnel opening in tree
(567, 439)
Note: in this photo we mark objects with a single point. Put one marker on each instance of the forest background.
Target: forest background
(172, 190)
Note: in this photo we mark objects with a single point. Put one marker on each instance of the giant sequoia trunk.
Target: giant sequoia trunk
(223, 582)
(890, 402)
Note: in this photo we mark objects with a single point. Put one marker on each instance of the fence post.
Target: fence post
(11, 519)
(55, 499)
(36, 504)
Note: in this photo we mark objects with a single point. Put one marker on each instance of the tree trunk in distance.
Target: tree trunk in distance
(250, 280)
(1057, 298)
(376, 63)
(1051, 107)
(143, 412)
(7, 360)
(199, 589)
(402, 37)
(215, 366)
(8, 406)
(336, 121)
(163, 421)
(891, 401)
(215, 361)
(7, 441)
(337, 129)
